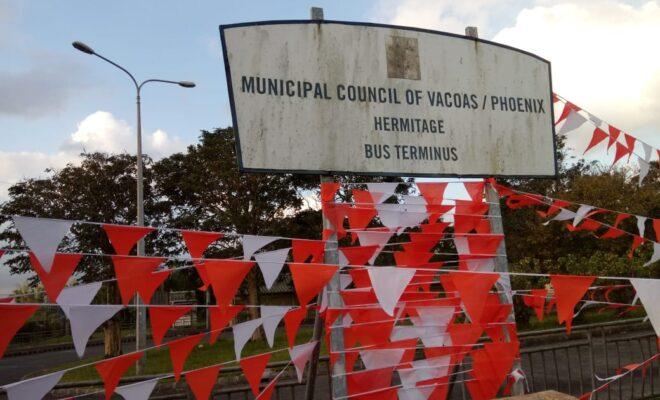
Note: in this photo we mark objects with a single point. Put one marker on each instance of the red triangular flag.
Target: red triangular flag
(220, 317)
(359, 255)
(124, 237)
(335, 214)
(292, 320)
(598, 136)
(567, 110)
(637, 241)
(612, 233)
(301, 250)
(433, 192)
(112, 369)
(363, 198)
(359, 218)
(569, 289)
(60, 272)
(308, 280)
(226, 277)
(201, 381)
(656, 227)
(132, 273)
(614, 135)
(473, 288)
(162, 318)
(475, 190)
(253, 369)
(198, 241)
(180, 350)
(268, 390)
(369, 380)
(13, 318)
(200, 267)
(621, 151)
(412, 260)
(152, 282)
(536, 300)
(328, 190)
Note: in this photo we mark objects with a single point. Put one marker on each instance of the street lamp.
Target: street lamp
(141, 317)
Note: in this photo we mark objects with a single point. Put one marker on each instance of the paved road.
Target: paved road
(13, 369)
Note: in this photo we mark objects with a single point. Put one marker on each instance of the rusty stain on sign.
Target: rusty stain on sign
(403, 58)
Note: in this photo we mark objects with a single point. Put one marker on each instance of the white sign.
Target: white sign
(348, 98)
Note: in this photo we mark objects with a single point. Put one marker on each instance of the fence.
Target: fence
(550, 359)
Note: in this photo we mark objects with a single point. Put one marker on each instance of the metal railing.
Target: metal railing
(550, 360)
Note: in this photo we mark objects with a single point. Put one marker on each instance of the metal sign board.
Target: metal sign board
(329, 97)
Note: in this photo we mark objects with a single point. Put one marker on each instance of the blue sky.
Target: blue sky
(56, 101)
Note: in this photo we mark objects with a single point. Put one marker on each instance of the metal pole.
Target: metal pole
(501, 264)
(141, 315)
(331, 255)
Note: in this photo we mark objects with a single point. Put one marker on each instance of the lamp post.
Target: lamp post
(141, 316)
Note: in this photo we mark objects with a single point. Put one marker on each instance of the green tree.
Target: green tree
(203, 189)
(101, 189)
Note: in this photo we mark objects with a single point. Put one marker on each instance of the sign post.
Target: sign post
(501, 265)
(345, 98)
(331, 256)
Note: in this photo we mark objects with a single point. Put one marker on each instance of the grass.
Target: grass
(158, 360)
(586, 317)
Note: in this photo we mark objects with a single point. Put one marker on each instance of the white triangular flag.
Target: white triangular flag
(390, 218)
(573, 121)
(648, 150)
(252, 243)
(137, 391)
(412, 219)
(641, 225)
(271, 263)
(422, 370)
(42, 236)
(405, 332)
(648, 291)
(481, 264)
(462, 245)
(388, 284)
(643, 169)
(381, 191)
(80, 295)
(343, 261)
(381, 358)
(581, 213)
(34, 388)
(242, 333)
(563, 215)
(270, 318)
(86, 319)
(300, 355)
(414, 200)
(656, 254)
(344, 280)
(412, 393)
(597, 121)
(377, 238)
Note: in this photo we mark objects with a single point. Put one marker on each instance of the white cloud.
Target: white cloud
(603, 58)
(102, 131)
(99, 131)
(602, 52)
(447, 15)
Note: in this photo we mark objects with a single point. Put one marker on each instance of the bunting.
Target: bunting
(112, 369)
